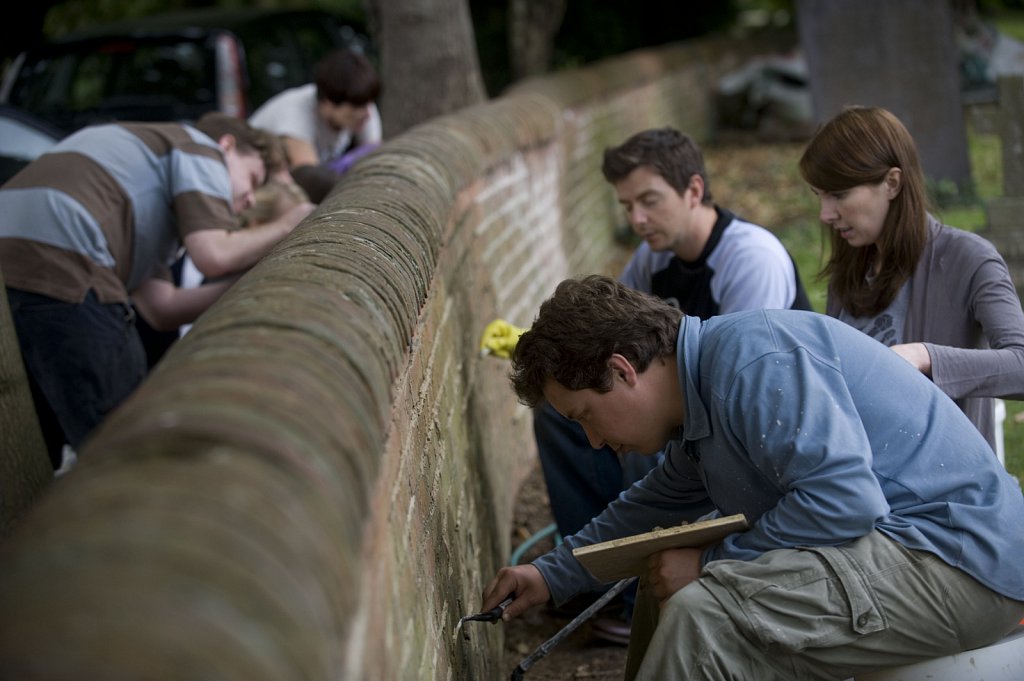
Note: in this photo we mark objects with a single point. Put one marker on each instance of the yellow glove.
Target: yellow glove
(500, 339)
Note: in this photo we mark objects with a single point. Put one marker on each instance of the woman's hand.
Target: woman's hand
(917, 355)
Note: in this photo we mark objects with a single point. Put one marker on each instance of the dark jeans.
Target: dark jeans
(83, 360)
(581, 480)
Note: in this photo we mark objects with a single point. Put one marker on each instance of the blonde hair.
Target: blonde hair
(271, 201)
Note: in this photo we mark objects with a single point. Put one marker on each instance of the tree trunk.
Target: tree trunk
(532, 25)
(428, 59)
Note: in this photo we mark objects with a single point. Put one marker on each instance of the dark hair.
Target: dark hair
(859, 146)
(248, 139)
(670, 153)
(316, 180)
(579, 328)
(343, 76)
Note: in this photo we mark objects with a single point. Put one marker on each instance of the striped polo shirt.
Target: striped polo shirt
(108, 207)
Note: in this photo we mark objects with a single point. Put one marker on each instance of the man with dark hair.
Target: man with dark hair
(327, 122)
(882, 531)
(98, 219)
(696, 256)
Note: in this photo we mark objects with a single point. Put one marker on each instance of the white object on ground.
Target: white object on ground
(1001, 661)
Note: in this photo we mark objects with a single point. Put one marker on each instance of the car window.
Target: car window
(86, 87)
(273, 62)
(44, 84)
(176, 74)
(179, 70)
(130, 74)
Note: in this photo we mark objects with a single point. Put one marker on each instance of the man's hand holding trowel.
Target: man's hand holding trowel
(523, 580)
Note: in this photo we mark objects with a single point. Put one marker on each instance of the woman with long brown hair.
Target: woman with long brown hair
(940, 297)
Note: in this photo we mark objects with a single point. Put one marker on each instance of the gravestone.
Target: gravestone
(1005, 223)
(897, 55)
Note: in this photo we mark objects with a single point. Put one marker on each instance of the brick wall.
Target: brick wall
(318, 480)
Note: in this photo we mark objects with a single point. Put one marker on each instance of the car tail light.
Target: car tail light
(118, 47)
(230, 97)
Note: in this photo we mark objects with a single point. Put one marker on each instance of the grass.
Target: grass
(1010, 22)
(986, 168)
(761, 183)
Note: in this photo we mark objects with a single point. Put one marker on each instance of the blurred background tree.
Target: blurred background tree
(514, 38)
(428, 59)
(437, 56)
(541, 34)
(588, 30)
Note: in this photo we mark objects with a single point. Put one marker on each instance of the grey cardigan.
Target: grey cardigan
(964, 308)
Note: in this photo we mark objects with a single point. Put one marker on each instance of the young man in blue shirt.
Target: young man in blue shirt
(696, 256)
(882, 531)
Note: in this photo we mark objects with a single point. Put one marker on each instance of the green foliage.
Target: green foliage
(1010, 21)
(766, 12)
(987, 172)
(986, 153)
(71, 15)
(946, 193)
(598, 28)
(806, 245)
(1013, 439)
(595, 29)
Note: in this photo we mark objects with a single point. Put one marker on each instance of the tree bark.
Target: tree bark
(532, 25)
(428, 60)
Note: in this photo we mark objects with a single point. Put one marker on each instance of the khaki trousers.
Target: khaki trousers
(815, 613)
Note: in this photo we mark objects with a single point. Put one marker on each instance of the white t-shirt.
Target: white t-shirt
(293, 113)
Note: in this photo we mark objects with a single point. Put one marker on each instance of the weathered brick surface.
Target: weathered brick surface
(318, 480)
(25, 469)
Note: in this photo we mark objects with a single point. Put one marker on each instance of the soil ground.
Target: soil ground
(580, 655)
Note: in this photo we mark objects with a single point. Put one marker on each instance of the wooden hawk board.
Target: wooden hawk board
(619, 558)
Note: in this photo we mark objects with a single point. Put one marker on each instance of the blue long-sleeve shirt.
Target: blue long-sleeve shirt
(818, 434)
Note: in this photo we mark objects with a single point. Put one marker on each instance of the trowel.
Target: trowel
(492, 615)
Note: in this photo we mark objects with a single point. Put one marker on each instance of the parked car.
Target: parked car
(22, 138)
(173, 66)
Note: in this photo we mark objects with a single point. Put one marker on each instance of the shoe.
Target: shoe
(611, 629)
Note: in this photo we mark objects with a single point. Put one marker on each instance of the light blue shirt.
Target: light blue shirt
(818, 435)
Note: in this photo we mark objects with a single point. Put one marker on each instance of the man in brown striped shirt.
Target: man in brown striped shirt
(98, 219)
